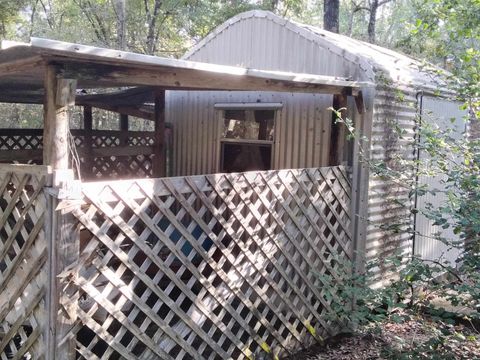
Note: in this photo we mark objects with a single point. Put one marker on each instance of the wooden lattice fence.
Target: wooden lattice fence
(102, 153)
(23, 258)
(206, 267)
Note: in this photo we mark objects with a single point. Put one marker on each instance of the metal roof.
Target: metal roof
(371, 58)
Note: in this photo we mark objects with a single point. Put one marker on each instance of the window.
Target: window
(247, 139)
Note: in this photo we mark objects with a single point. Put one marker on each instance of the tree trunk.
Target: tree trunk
(331, 11)
(372, 21)
(152, 23)
(121, 24)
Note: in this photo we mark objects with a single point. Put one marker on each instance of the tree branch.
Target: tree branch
(381, 3)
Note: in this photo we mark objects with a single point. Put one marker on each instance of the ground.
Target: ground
(417, 338)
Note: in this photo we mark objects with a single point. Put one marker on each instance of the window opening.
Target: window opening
(247, 140)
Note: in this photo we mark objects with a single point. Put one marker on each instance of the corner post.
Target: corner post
(361, 178)
(159, 165)
(63, 243)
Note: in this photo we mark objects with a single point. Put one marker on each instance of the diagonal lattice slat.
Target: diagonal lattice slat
(208, 267)
(23, 255)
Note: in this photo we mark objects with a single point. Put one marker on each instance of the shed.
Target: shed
(305, 134)
(104, 256)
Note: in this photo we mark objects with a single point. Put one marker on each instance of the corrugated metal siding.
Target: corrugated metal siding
(389, 218)
(437, 111)
(260, 43)
(303, 124)
(302, 128)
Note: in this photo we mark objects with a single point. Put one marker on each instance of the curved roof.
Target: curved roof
(370, 58)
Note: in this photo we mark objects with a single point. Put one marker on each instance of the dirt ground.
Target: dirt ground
(409, 340)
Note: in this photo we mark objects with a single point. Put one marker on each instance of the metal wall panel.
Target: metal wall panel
(438, 112)
(302, 128)
(389, 209)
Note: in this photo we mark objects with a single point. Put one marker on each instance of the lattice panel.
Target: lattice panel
(141, 139)
(106, 167)
(122, 167)
(110, 140)
(23, 256)
(21, 142)
(208, 267)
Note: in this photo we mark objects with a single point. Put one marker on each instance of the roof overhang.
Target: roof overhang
(23, 67)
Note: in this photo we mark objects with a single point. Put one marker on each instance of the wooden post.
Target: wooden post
(123, 129)
(159, 164)
(63, 245)
(88, 141)
(59, 95)
(338, 136)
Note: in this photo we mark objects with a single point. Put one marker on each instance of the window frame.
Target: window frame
(222, 107)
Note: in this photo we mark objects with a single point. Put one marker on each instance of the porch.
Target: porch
(210, 266)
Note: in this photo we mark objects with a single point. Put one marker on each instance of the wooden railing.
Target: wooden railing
(206, 267)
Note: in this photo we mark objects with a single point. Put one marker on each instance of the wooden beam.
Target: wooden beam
(19, 65)
(190, 78)
(119, 151)
(125, 110)
(21, 155)
(133, 96)
(21, 96)
(159, 166)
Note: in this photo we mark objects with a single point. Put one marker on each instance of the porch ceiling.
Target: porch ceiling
(22, 72)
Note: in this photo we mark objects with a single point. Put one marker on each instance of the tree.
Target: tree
(453, 26)
(9, 15)
(331, 13)
(371, 7)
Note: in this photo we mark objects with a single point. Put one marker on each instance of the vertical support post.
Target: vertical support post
(338, 136)
(63, 245)
(123, 129)
(59, 95)
(88, 140)
(361, 177)
(159, 165)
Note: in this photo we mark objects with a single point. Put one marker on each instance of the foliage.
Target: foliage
(352, 304)
(453, 26)
(356, 307)
(448, 32)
